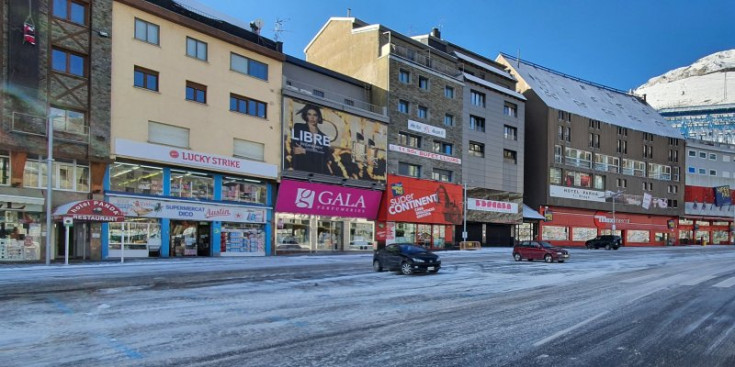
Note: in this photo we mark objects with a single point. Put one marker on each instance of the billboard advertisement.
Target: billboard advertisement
(330, 200)
(326, 141)
(421, 201)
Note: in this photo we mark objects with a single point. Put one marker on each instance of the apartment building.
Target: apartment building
(423, 90)
(196, 133)
(55, 69)
(598, 160)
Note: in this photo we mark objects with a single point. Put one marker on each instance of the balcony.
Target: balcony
(607, 167)
(64, 130)
(578, 162)
(422, 58)
(340, 99)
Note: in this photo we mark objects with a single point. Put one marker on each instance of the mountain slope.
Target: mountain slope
(708, 81)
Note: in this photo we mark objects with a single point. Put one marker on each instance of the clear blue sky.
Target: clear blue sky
(617, 43)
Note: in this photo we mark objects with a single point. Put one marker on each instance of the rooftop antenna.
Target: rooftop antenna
(349, 12)
(256, 26)
(518, 59)
(279, 29)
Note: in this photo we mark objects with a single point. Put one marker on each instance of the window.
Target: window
(188, 184)
(442, 147)
(349, 102)
(565, 116)
(555, 176)
(72, 11)
(409, 140)
(674, 156)
(318, 93)
(136, 178)
(510, 109)
(673, 203)
(692, 153)
(578, 158)
(477, 98)
(713, 156)
(243, 190)
(569, 133)
(634, 168)
(448, 120)
(145, 78)
(68, 62)
(441, 175)
(580, 179)
(622, 131)
(248, 149)
(67, 175)
(595, 124)
(622, 146)
(68, 121)
(647, 151)
(659, 171)
(246, 66)
(599, 182)
(146, 32)
(196, 92)
(423, 83)
(692, 170)
(703, 155)
(403, 106)
(510, 156)
(248, 106)
(606, 163)
(477, 123)
(594, 140)
(510, 132)
(422, 112)
(408, 169)
(712, 172)
(622, 182)
(675, 173)
(449, 92)
(477, 149)
(404, 76)
(159, 133)
(196, 49)
(558, 158)
(702, 171)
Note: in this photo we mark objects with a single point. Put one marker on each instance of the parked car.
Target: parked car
(539, 250)
(606, 241)
(406, 258)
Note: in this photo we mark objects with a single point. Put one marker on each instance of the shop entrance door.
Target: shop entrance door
(183, 238)
(330, 236)
(203, 240)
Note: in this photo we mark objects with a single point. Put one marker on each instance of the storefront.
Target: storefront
(572, 227)
(699, 230)
(418, 211)
(199, 205)
(492, 222)
(22, 225)
(313, 217)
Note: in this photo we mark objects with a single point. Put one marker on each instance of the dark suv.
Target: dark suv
(606, 241)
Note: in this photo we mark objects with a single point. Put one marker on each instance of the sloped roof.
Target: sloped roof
(494, 86)
(484, 65)
(583, 98)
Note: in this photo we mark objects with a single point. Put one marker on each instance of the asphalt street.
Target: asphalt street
(670, 306)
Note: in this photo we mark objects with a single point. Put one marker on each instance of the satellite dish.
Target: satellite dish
(256, 25)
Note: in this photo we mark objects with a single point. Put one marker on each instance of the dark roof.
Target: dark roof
(218, 24)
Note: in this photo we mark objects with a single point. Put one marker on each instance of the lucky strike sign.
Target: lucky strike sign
(421, 201)
(330, 200)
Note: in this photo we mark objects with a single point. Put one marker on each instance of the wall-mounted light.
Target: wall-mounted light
(103, 34)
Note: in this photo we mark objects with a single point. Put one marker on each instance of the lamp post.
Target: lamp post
(614, 196)
(49, 182)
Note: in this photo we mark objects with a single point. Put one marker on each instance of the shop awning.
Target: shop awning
(529, 213)
(90, 211)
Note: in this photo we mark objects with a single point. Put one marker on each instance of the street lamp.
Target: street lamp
(613, 195)
(49, 182)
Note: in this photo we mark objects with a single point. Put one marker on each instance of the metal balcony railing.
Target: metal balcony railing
(304, 88)
(423, 58)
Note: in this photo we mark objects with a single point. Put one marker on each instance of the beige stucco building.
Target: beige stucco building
(196, 129)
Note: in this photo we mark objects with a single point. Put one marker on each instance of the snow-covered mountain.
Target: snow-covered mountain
(708, 81)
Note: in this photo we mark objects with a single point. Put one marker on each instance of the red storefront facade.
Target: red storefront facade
(418, 211)
(572, 227)
(708, 216)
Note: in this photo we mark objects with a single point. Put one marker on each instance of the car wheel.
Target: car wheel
(589, 247)
(376, 266)
(517, 257)
(434, 271)
(548, 258)
(615, 248)
(406, 268)
(607, 247)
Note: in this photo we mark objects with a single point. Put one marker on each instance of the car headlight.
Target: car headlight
(418, 260)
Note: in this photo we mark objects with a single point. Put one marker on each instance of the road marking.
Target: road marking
(696, 281)
(560, 333)
(727, 283)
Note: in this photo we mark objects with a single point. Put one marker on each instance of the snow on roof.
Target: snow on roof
(564, 92)
(483, 65)
(494, 86)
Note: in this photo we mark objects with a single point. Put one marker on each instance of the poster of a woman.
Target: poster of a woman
(310, 147)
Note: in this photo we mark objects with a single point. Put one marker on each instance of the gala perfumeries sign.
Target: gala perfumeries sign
(329, 200)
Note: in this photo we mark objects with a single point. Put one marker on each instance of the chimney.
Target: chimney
(279, 46)
(435, 33)
(644, 97)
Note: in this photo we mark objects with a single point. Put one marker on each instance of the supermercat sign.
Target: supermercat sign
(190, 158)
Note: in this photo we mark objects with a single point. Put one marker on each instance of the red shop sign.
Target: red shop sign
(421, 201)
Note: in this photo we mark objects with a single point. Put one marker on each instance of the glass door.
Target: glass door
(361, 236)
(329, 236)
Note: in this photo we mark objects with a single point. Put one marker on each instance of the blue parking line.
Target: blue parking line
(130, 353)
(60, 305)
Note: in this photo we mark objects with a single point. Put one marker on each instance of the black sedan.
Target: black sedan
(406, 258)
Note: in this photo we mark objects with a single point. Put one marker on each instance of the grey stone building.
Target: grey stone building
(55, 69)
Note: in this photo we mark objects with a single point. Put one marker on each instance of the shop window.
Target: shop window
(405, 232)
(243, 190)
(20, 235)
(554, 233)
(583, 234)
(194, 185)
(659, 237)
(4, 168)
(292, 233)
(135, 178)
(67, 176)
(361, 236)
(238, 238)
(143, 235)
(637, 236)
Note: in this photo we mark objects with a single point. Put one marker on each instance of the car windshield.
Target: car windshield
(546, 245)
(411, 249)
